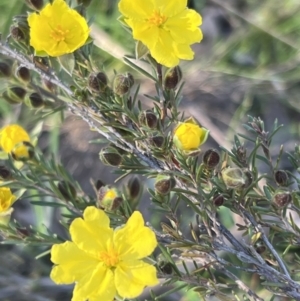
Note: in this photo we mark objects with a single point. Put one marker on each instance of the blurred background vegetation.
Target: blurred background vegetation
(247, 63)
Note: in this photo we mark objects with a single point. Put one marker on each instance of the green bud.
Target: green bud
(5, 69)
(260, 247)
(16, 94)
(67, 190)
(164, 265)
(23, 74)
(248, 177)
(97, 82)
(48, 85)
(134, 187)
(123, 83)
(233, 177)
(164, 184)
(109, 198)
(110, 156)
(241, 154)
(5, 173)
(99, 184)
(172, 78)
(218, 200)
(35, 4)
(19, 31)
(211, 158)
(157, 141)
(35, 100)
(148, 118)
(282, 198)
(281, 177)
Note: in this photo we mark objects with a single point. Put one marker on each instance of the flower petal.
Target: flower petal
(72, 263)
(138, 9)
(132, 277)
(95, 286)
(134, 240)
(163, 51)
(184, 28)
(171, 8)
(92, 234)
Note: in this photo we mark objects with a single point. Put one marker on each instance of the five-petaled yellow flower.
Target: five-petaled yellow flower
(188, 135)
(15, 140)
(6, 201)
(57, 29)
(104, 262)
(166, 27)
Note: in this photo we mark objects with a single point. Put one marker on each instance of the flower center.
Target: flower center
(58, 34)
(110, 258)
(157, 18)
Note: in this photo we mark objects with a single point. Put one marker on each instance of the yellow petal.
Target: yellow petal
(134, 240)
(184, 28)
(132, 277)
(137, 9)
(92, 234)
(95, 286)
(71, 263)
(163, 51)
(11, 135)
(171, 8)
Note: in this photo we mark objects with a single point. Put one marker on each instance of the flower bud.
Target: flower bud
(35, 4)
(134, 187)
(5, 173)
(16, 94)
(9, 100)
(157, 141)
(109, 198)
(248, 177)
(99, 184)
(211, 158)
(17, 33)
(97, 82)
(23, 151)
(260, 248)
(233, 177)
(123, 83)
(5, 69)
(110, 156)
(49, 85)
(23, 74)
(218, 200)
(189, 135)
(148, 118)
(67, 190)
(172, 78)
(35, 100)
(164, 184)
(282, 198)
(164, 265)
(281, 177)
(241, 154)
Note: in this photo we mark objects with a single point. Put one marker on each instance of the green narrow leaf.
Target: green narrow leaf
(67, 62)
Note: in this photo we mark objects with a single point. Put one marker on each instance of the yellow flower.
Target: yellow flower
(104, 262)
(6, 201)
(57, 29)
(188, 136)
(166, 27)
(11, 138)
